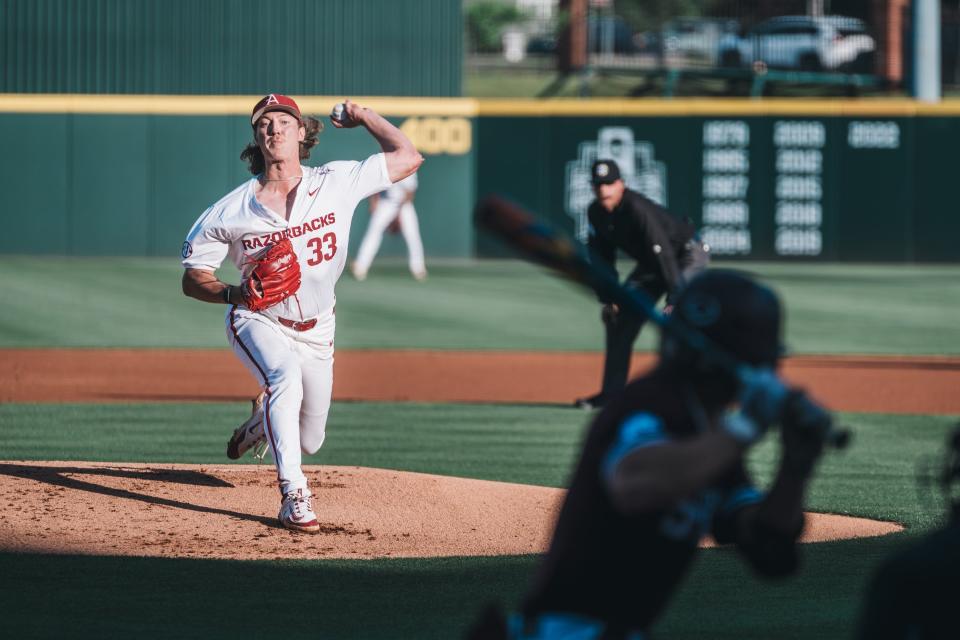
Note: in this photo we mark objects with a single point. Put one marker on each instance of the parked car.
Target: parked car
(832, 43)
(542, 44)
(696, 38)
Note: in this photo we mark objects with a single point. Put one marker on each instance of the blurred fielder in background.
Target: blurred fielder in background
(288, 225)
(663, 465)
(393, 210)
(667, 254)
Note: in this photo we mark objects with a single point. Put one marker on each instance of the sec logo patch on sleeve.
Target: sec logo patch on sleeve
(187, 250)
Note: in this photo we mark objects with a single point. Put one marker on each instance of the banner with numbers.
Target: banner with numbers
(769, 187)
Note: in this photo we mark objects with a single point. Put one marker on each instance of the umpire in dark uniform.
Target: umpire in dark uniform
(663, 465)
(667, 253)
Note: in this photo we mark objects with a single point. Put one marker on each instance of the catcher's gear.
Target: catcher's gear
(274, 278)
(250, 434)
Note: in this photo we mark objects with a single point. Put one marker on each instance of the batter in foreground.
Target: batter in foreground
(286, 229)
(663, 465)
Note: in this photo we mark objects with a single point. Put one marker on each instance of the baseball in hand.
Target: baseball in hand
(339, 112)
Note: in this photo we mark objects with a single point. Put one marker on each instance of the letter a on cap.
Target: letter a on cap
(274, 102)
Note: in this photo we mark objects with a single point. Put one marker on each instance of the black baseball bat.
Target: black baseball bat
(543, 245)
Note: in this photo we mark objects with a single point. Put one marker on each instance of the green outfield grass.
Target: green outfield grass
(136, 302)
(531, 84)
(123, 597)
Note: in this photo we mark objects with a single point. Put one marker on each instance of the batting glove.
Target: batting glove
(762, 396)
(806, 426)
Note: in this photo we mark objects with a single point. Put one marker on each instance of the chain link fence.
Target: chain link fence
(855, 43)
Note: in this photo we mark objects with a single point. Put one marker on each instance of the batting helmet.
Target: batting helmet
(737, 314)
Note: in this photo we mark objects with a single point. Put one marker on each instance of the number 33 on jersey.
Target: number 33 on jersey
(322, 248)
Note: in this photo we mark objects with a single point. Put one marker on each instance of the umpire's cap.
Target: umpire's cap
(739, 315)
(604, 172)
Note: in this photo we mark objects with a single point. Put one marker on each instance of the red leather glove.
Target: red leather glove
(274, 278)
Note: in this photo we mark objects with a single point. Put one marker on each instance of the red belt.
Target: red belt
(306, 325)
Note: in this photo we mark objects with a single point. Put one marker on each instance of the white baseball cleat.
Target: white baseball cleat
(296, 513)
(419, 276)
(250, 434)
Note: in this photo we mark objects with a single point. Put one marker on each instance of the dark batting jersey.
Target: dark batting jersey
(915, 592)
(645, 231)
(622, 569)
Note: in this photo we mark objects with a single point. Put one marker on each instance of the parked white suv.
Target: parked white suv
(830, 43)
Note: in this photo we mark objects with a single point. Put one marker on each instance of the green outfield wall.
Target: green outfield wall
(303, 47)
(771, 179)
(129, 176)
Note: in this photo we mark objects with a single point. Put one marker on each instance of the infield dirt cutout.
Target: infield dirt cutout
(230, 511)
(884, 384)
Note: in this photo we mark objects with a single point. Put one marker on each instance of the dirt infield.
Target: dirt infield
(229, 511)
(861, 383)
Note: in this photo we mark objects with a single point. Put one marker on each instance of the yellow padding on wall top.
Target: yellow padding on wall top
(221, 105)
(469, 107)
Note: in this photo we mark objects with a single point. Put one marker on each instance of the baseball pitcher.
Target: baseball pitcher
(286, 229)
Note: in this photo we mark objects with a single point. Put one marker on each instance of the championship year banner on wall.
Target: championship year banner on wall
(771, 182)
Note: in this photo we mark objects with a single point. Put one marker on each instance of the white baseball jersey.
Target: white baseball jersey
(239, 226)
(398, 191)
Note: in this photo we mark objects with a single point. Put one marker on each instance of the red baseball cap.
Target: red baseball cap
(274, 102)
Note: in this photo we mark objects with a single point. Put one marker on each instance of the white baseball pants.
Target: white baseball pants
(296, 371)
(383, 215)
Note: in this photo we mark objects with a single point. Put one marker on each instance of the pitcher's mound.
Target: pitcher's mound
(229, 511)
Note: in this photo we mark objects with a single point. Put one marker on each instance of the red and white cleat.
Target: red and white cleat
(297, 514)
